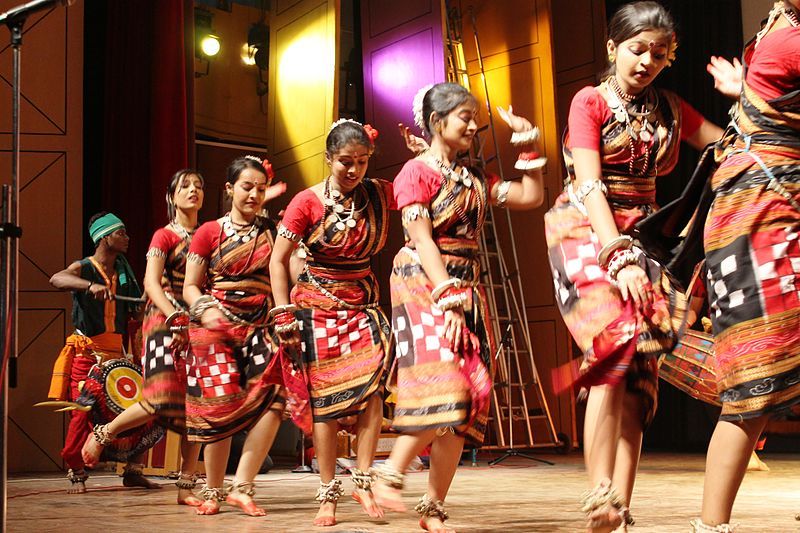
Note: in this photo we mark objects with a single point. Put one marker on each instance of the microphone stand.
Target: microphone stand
(10, 233)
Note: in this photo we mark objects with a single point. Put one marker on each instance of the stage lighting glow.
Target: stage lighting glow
(307, 59)
(248, 55)
(210, 45)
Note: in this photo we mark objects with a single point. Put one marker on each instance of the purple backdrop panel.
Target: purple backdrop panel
(397, 62)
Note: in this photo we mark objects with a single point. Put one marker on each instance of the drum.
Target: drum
(110, 388)
(690, 367)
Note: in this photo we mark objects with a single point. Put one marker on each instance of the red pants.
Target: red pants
(79, 425)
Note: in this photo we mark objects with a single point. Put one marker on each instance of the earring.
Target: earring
(229, 193)
(612, 58)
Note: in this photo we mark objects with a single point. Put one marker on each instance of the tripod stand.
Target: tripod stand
(511, 451)
(302, 468)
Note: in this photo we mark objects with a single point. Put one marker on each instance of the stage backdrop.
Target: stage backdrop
(50, 215)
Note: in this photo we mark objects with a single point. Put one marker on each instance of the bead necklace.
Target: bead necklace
(791, 17)
(620, 104)
(333, 200)
(237, 231)
(463, 176)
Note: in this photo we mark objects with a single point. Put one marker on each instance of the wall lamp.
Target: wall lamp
(207, 45)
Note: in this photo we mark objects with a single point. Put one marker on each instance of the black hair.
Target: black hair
(343, 134)
(176, 179)
(440, 101)
(94, 218)
(239, 164)
(634, 18)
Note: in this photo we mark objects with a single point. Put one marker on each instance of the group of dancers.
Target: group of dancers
(246, 320)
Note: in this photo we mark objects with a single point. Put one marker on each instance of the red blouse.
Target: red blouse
(589, 111)
(164, 240)
(417, 183)
(774, 65)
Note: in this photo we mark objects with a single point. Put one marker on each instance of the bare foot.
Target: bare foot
(367, 501)
(91, 451)
(326, 516)
(605, 520)
(138, 480)
(208, 507)
(388, 498)
(187, 497)
(76, 487)
(434, 525)
(77, 481)
(245, 503)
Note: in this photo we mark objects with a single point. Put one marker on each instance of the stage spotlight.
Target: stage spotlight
(207, 44)
(210, 45)
(258, 44)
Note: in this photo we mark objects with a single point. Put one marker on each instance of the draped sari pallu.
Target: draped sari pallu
(346, 343)
(753, 258)
(164, 390)
(234, 374)
(436, 387)
(619, 343)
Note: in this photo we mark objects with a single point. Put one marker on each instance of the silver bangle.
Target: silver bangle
(280, 309)
(587, 187)
(502, 193)
(530, 164)
(519, 138)
(451, 302)
(201, 305)
(443, 286)
(617, 243)
(620, 261)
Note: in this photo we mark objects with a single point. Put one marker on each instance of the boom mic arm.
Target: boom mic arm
(21, 12)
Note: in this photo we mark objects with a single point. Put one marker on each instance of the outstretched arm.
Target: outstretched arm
(528, 193)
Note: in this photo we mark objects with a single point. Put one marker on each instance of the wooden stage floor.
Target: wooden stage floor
(517, 496)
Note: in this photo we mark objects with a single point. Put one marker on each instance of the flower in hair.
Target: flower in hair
(673, 45)
(268, 168)
(372, 133)
(254, 158)
(416, 107)
(342, 121)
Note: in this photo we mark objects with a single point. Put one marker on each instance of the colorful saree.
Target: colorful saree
(436, 387)
(753, 257)
(619, 343)
(345, 335)
(232, 373)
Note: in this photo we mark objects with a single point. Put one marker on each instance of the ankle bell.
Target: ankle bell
(699, 527)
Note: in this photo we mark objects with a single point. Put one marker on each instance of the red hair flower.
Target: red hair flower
(372, 133)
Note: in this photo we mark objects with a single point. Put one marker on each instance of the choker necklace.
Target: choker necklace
(333, 200)
(463, 176)
(614, 84)
(182, 232)
(244, 232)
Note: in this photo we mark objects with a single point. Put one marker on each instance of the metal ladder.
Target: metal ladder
(517, 396)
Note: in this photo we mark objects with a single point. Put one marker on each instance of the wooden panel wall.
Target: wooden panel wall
(579, 53)
(518, 55)
(50, 215)
(226, 103)
(302, 88)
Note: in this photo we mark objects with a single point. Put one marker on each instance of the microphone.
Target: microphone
(21, 12)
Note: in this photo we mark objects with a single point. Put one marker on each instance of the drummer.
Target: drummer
(100, 329)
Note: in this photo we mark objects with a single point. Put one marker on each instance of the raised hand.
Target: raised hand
(514, 122)
(275, 190)
(727, 76)
(413, 143)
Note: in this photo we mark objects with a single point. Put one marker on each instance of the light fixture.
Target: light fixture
(258, 44)
(207, 44)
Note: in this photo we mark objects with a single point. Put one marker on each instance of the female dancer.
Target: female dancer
(164, 361)
(234, 383)
(753, 257)
(621, 135)
(439, 314)
(340, 224)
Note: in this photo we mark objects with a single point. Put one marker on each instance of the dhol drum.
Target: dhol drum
(690, 367)
(110, 388)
